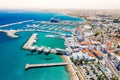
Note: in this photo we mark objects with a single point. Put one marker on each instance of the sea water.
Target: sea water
(13, 58)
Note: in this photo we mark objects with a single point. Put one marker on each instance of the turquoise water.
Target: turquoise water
(49, 42)
(13, 59)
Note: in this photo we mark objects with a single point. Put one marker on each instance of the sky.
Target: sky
(59, 4)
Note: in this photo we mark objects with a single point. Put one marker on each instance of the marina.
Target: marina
(18, 58)
(29, 45)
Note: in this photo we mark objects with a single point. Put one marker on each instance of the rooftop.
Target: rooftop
(89, 53)
(96, 52)
(85, 43)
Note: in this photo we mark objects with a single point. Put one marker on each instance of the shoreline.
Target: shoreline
(70, 69)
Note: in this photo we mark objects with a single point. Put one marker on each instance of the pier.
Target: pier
(29, 44)
(55, 36)
(6, 25)
(28, 66)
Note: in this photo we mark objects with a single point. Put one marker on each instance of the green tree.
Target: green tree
(100, 77)
(77, 62)
(96, 34)
(114, 78)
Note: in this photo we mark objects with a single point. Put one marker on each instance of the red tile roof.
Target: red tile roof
(85, 43)
(96, 52)
(110, 50)
(108, 44)
(87, 51)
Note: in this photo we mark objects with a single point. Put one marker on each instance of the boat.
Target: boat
(47, 51)
(40, 49)
(53, 20)
(33, 49)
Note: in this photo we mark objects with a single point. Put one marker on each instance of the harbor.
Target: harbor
(41, 49)
(29, 45)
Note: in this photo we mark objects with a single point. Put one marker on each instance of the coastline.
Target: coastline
(70, 69)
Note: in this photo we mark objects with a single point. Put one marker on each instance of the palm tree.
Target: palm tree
(81, 61)
(77, 62)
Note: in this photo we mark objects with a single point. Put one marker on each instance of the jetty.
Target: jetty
(6, 25)
(10, 33)
(55, 36)
(29, 44)
(28, 66)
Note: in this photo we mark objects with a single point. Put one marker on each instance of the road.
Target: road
(111, 67)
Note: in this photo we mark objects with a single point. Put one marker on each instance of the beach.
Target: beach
(72, 69)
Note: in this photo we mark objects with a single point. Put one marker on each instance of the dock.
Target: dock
(55, 36)
(28, 66)
(29, 44)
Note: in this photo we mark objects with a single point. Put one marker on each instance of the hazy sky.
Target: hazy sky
(41, 4)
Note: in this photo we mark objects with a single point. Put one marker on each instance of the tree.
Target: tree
(77, 62)
(96, 34)
(114, 78)
(81, 61)
(100, 77)
(98, 62)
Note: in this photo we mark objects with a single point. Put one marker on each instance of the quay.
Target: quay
(29, 44)
(28, 66)
(55, 36)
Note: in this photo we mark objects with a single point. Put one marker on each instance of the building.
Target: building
(97, 53)
(115, 60)
(86, 51)
(87, 27)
